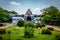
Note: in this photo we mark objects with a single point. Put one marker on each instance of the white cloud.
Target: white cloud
(14, 3)
(37, 11)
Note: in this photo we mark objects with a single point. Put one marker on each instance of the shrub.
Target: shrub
(38, 25)
(50, 28)
(1, 24)
(46, 31)
(1, 38)
(57, 37)
(29, 24)
(20, 23)
(28, 30)
(2, 31)
(43, 25)
(28, 33)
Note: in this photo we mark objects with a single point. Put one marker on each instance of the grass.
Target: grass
(19, 33)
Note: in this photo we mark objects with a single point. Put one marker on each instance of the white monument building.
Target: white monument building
(26, 17)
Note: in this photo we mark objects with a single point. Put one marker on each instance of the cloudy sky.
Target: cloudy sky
(21, 6)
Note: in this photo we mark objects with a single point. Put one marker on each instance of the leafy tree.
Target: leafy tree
(13, 12)
(50, 15)
(4, 15)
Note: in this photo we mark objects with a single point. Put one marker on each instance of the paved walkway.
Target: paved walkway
(7, 25)
(56, 28)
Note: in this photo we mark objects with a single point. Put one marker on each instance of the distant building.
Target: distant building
(26, 17)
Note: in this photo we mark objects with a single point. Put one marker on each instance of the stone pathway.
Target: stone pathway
(56, 28)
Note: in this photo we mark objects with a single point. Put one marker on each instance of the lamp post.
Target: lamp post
(9, 32)
(1, 38)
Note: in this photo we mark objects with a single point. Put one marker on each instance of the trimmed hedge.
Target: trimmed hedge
(20, 23)
(57, 37)
(50, 28)
(29, 24)
(46, 31)
(2, 31)
(1, 24)
(28, 33)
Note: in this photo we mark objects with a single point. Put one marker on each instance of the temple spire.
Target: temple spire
(28, 12)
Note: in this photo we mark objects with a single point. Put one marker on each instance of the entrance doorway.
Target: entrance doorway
(28, 18)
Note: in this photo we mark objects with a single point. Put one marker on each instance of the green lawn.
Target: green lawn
(19, 33)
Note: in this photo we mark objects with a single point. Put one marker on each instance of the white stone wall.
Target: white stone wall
(16, 19)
